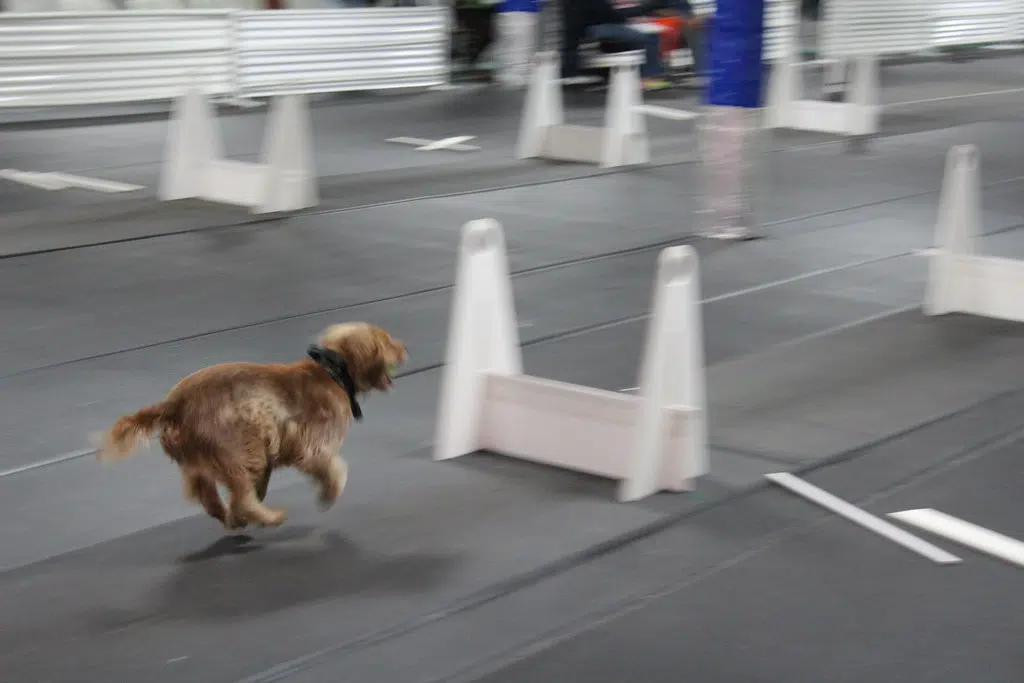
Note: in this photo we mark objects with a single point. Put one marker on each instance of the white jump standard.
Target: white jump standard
(649, 442)
(787, 107)
(959, 280)
(543, 132)
(621, 141)
(195, 166)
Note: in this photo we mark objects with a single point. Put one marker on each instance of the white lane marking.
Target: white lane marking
(95, 184)
(81, 453)
(950, 98)
(62, 181)
(862, 517)
(42, 181)
(965, 533)
(425, 145)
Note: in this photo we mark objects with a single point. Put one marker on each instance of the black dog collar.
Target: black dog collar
(337, 368)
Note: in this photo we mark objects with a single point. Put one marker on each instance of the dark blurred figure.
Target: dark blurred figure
(602, 21)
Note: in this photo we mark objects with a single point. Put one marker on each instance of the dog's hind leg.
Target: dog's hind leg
(204, 491)
(246, 505)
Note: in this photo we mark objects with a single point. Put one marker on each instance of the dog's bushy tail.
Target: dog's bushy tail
(121, 440)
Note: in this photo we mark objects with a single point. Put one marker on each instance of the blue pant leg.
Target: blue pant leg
(648, 42)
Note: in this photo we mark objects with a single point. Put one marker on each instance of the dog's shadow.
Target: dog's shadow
(242, 576)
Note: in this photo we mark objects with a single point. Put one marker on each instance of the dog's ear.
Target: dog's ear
(363, 355)
(371, 353)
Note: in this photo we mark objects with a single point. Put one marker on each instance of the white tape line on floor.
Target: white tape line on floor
(965, 533)
(862, 517)
(424, 145)
(62, 181)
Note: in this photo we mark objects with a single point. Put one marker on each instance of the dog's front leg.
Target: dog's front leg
(263, 482)
(329, 471)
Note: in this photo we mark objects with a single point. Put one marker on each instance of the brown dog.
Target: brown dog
(234, 423)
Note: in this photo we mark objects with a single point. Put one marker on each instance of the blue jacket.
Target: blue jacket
(519, 6)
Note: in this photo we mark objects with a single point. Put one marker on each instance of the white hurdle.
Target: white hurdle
(960, 280)
(621, 141)
(858, 115)
(195, 167)
(650, 442)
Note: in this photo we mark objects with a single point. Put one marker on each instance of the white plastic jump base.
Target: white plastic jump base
(859, 115)
(959, 280)
(195, 168)
(649, 442)
(622, 141)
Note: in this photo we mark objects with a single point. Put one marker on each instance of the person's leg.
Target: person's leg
(479, 24)
(517, 36)
(648, 42)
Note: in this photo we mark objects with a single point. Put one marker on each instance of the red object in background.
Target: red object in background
(273, 4)
(670, 37)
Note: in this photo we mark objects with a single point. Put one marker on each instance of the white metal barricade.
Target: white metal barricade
(650, 442)
(974, 22)
(781, 26)
(312, 51)
(51, 59)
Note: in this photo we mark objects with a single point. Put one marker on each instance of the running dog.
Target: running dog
(233, 424)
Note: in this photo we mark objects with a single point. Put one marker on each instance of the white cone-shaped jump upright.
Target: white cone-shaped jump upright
(652, 442)
(956, 228)
(625, 141)
(784, 87)
(672, 374)
(193, 144)
(542, 109)
(290, 182)
(959, 279)
(482, 336)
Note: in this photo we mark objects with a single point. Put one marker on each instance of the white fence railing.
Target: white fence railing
(853, 28)
(64, 58)
(971, 22)
(104, 57)
(333, 51)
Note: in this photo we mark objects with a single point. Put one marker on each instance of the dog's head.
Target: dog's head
(373, 356)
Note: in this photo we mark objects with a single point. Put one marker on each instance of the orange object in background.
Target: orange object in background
(670, 37)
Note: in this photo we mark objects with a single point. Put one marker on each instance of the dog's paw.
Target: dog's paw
(231, 522)
(327, 497)
(330, 492)
(275, 518)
